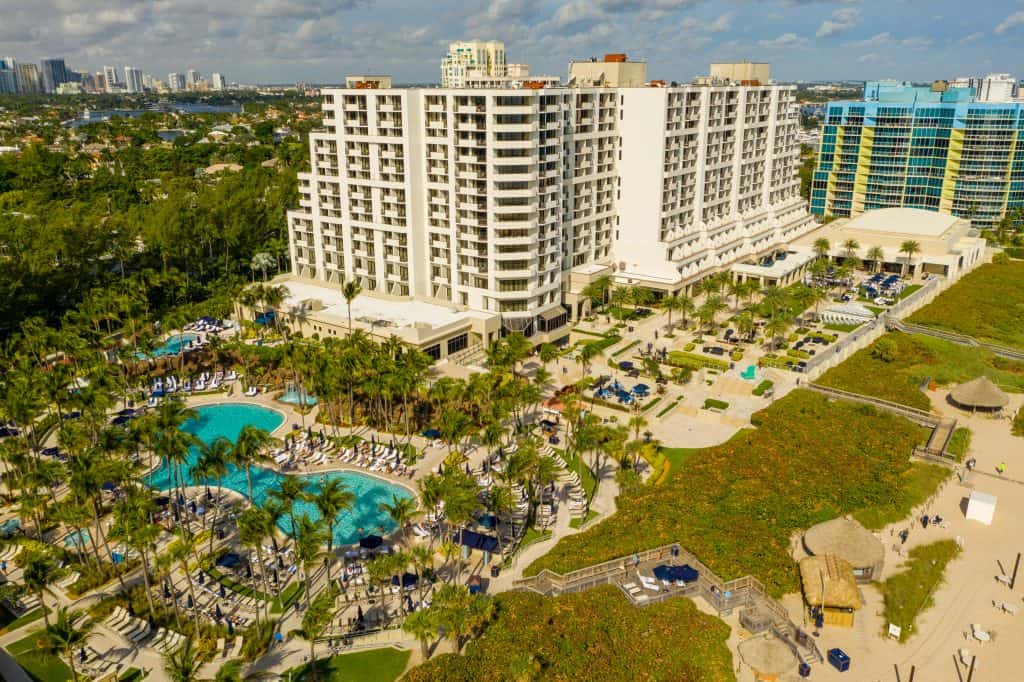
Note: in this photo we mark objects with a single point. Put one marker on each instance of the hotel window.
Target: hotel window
(434, 351)
(457, 343)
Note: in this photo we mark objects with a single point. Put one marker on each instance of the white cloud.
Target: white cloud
(869, 58)
(720, 24)
(842, 20)
(971, 38)
(783, 42)
(1011, 22)
(917, 42)
(877, 40)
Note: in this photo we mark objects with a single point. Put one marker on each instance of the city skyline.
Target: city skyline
(283, 41)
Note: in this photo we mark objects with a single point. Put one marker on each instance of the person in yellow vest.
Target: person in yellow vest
(1001, 468)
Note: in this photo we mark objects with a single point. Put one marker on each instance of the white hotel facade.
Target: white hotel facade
(490, 209)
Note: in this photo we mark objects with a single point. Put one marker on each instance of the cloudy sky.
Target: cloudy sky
(283, 41)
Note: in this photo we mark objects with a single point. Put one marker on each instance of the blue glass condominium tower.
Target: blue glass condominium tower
(919, 147)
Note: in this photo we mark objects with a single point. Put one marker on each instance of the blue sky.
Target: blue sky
(322, 40)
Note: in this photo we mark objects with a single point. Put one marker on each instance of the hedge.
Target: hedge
(693, 361)
(713, 404)
(797, 353)
(762, 387)
(625, 348)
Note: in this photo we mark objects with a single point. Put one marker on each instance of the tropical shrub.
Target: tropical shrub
(811, 460)
(594, 635)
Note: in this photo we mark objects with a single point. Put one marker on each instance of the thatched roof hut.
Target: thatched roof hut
(979, 394)
(830, 578)
(850, 541)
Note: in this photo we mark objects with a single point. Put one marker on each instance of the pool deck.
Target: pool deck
(293, 418)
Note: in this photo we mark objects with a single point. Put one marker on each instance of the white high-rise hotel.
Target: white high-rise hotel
(505, 202)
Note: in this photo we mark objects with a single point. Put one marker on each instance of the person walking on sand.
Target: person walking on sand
(1001, 468)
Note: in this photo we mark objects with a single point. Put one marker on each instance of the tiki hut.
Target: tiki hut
(980, 394)
(829, 586)
(850, 541)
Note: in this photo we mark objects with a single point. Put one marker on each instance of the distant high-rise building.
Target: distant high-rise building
(192, 77)
(175, 81)
(132, 79)
(472, 58)
(148, 82)
(217, 81)
(111, 78)
(28, 79)
(53, 73)
(8, 75)
(935, 148)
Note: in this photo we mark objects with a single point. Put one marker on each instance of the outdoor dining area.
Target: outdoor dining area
(612, 389)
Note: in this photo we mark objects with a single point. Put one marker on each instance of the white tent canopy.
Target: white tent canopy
(847, 313)
(981, 507)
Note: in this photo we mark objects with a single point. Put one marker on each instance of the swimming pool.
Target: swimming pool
(292, 397)
(77, 539)
(227, 420)
(171, 346)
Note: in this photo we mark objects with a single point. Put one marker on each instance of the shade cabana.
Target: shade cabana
(829, 586)
(850, 541)
(979, 394)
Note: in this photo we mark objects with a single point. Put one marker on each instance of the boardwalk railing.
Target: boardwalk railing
(960, 339)
(912, 413)
(724, 596)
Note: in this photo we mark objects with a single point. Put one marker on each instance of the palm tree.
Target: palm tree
(850, 247)
(68, 632)
(249, 449)
(333, 498)
(877, 256)
(745, 323)
(598, 290)
(911, 248)
(37, 575)
(262, 261)
(680, 303)
(423, 626)
(350, 291)
(402, 510)
(253, 526)
(183, 664)
(309, 537)
(821, 247)
(133, 525)
(775, 328)
(289, 491)
(713, 305)
(315, 622)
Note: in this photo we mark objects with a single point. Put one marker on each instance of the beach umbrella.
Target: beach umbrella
(223, 591)
(275, 576)
(191, 602)
(248, 570)
(359, 613)
(167, 590)
(202, 577)
(217, 612)
(371, 542)
(408, 603)
(280, 562)
(467, 469)
(131, 609)
(231, 629)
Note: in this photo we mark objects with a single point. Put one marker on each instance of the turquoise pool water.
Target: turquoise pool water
(227, 420)
(292, 398)
(172, 346)
(77, 539)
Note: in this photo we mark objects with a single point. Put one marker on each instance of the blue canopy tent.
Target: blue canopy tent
(229, 560)
(625, 365)
(686, 573)
(407, 580)
(431, 433)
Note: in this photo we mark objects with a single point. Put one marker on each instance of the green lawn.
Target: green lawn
(8, 623)
(376, 665)
(909, 593)
(595, 636)
(960, 443)
(40, 667)
(908, 290)
(918, 358)
(577, 522)
(738, 504)
(987, 304)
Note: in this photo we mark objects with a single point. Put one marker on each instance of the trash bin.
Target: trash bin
(495, 569)
(805, 669)
(839, 660)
